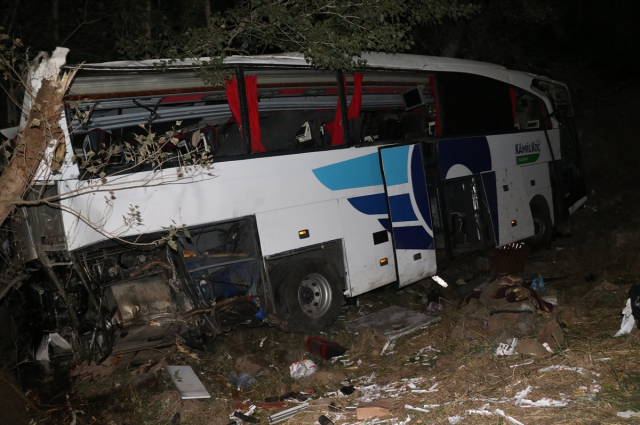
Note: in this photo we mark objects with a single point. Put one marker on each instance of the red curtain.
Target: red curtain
(335, 128)
(435, 102)
(251, 88)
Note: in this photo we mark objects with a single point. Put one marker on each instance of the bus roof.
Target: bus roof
(374, 60)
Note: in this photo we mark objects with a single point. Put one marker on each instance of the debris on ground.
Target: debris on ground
(303, 368)
(628, 320)
(393, 322)
(324, 349)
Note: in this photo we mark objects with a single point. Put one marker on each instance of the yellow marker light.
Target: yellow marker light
(514, 223)
(303, 234)
(384, 262)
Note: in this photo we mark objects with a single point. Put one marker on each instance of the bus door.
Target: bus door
(569, 165)
(409, 212)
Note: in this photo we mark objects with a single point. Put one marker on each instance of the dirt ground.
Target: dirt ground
(588, 376)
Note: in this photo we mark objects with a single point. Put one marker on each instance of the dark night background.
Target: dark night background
(590, 44)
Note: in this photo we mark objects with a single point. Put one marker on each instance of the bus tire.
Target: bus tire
(311, 295)
(543, 227)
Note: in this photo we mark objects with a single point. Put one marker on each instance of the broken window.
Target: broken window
(296, 108)
(529, 111)
(127, 135)
(394, 108)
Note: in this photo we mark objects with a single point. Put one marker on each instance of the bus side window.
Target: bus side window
(295, 108)
(529, 111)
(473, 104)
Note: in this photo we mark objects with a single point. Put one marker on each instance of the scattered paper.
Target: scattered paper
(509, 418)
(418, 409)
(628, 321)
(629, 414)
(521, 364)
(454, 419)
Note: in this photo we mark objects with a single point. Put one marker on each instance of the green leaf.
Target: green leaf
(172, 244)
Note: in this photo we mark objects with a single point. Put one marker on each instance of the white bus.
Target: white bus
(303, 208)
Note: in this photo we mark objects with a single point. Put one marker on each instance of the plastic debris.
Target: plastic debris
(440, 281)
(579, 370)
(481, 412)
(521, 364)
(301, 369)
(507, 349)
(538, 284)
(286, 414)
(324, 349)
(509, 418)
(418, 409)
(628, 321)
(547, 347)
(629, 414)
(522, 394)
(543, 402)
(244, 380)
(454, 419)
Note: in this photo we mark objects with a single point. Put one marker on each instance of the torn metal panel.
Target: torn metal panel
(186, 382)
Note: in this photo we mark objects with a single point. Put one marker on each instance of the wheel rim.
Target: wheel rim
(539, 228)
(314, 295)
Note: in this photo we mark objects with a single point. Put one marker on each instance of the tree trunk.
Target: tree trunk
(32, 142)
(207, 11)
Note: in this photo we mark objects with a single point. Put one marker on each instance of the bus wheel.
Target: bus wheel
(312, 296)
(543, 228)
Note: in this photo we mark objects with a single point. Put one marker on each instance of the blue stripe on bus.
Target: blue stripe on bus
(491, 191)
(411, 237)
(420, 185)
(401, 208)
(353, 173)
(395, 162)
(472, 152)
(370, 204)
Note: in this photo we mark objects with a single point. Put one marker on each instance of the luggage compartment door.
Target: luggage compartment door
(410, 217)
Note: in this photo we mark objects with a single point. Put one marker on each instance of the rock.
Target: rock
(551, 333)
(530, 346)
(523, 306)
(504, 336)
(295, 355)
(500, 321)
(148, 380)
(580, 307)
(605, 287)
(626, 237)
(526, 323)
(249, 364)
(326, 378)
(485, 296)
(536, 267)
(282, 388)
(460, 282)
(468, 328)
(567, 314)
(470, 308)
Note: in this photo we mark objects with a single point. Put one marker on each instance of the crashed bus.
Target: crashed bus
(300, 209)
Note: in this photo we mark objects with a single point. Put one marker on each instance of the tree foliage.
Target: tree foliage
(330, 33)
